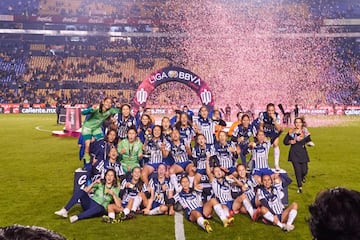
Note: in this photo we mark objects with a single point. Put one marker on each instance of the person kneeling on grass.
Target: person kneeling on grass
(272, 208)
(132, 195)
(194, 208)
(105, 191)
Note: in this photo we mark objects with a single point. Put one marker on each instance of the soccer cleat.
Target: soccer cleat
(231, 220)
(106, 219)
(73, 218)
(62, 213)
(299, 190)
(256, 214)
(225, 222)
(289, 227)
(131, 215)
(122, 216)
(207, 226)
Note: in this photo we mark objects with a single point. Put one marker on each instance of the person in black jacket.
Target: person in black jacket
(298, 137)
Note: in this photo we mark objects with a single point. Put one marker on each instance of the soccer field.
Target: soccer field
(36, 176)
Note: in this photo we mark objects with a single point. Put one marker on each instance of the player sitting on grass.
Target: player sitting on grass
(131, 195)
(194, 208)
(245, 187)
(272, 209)
(222, 191)
(104, 191)
(160, 191)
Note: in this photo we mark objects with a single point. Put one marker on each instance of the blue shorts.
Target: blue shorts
(188, 212)
(279, 216)
(124, 204)
(183, 164)
(201, 171)
(272, 135)
(229, 204)
(263, 171)
(154, 165)
(155, 204)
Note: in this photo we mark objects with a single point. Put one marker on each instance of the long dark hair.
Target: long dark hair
(139, 185)
(178, 123)
(114, 183)
(102, 104)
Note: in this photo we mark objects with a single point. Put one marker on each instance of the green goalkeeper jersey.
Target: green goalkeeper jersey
(96, 117)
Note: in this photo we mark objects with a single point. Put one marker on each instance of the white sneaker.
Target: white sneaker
(289, 227)
(311, 144)
(73, 218)
(62, 213)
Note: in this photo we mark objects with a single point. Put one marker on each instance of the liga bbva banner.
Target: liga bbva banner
(177, 74)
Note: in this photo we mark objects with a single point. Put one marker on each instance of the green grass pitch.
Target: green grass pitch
(36, 176)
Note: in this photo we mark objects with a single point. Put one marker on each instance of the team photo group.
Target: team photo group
(188, 163)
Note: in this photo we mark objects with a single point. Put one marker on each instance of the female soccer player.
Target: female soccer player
(180, 152)
(194, 208)
(145, 127)
(124, 120)
(272, 208)
(92, 126)
(113, 163)
(166, 128)
(100, 152)
(166, 131)
(222, 191)
(245, 188)
(200, 151)
(205, 125)
(219, 123)
(270, 124)
(130, 150)
(184, 127)
(131, 195)
(158, 148)
(160, 191)
(298, 137)
(260, 155)
(227, 153)
(105, 192)
(241, 136)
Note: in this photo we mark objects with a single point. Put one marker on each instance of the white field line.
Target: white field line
(179, 226)
(41, 130)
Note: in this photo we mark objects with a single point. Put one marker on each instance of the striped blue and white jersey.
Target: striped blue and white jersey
(187, 133)
(159, 192)
(132, 191)
(124, 124)
(206, 127)
(260, 155)
(178, 152)
(225, 157)
(199, 155)
(222, 190)
(273, 198)
(189, 201)
(269, 125)
(154, 148)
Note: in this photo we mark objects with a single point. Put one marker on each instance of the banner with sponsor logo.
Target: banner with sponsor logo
(170, 74)
(83, 20)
